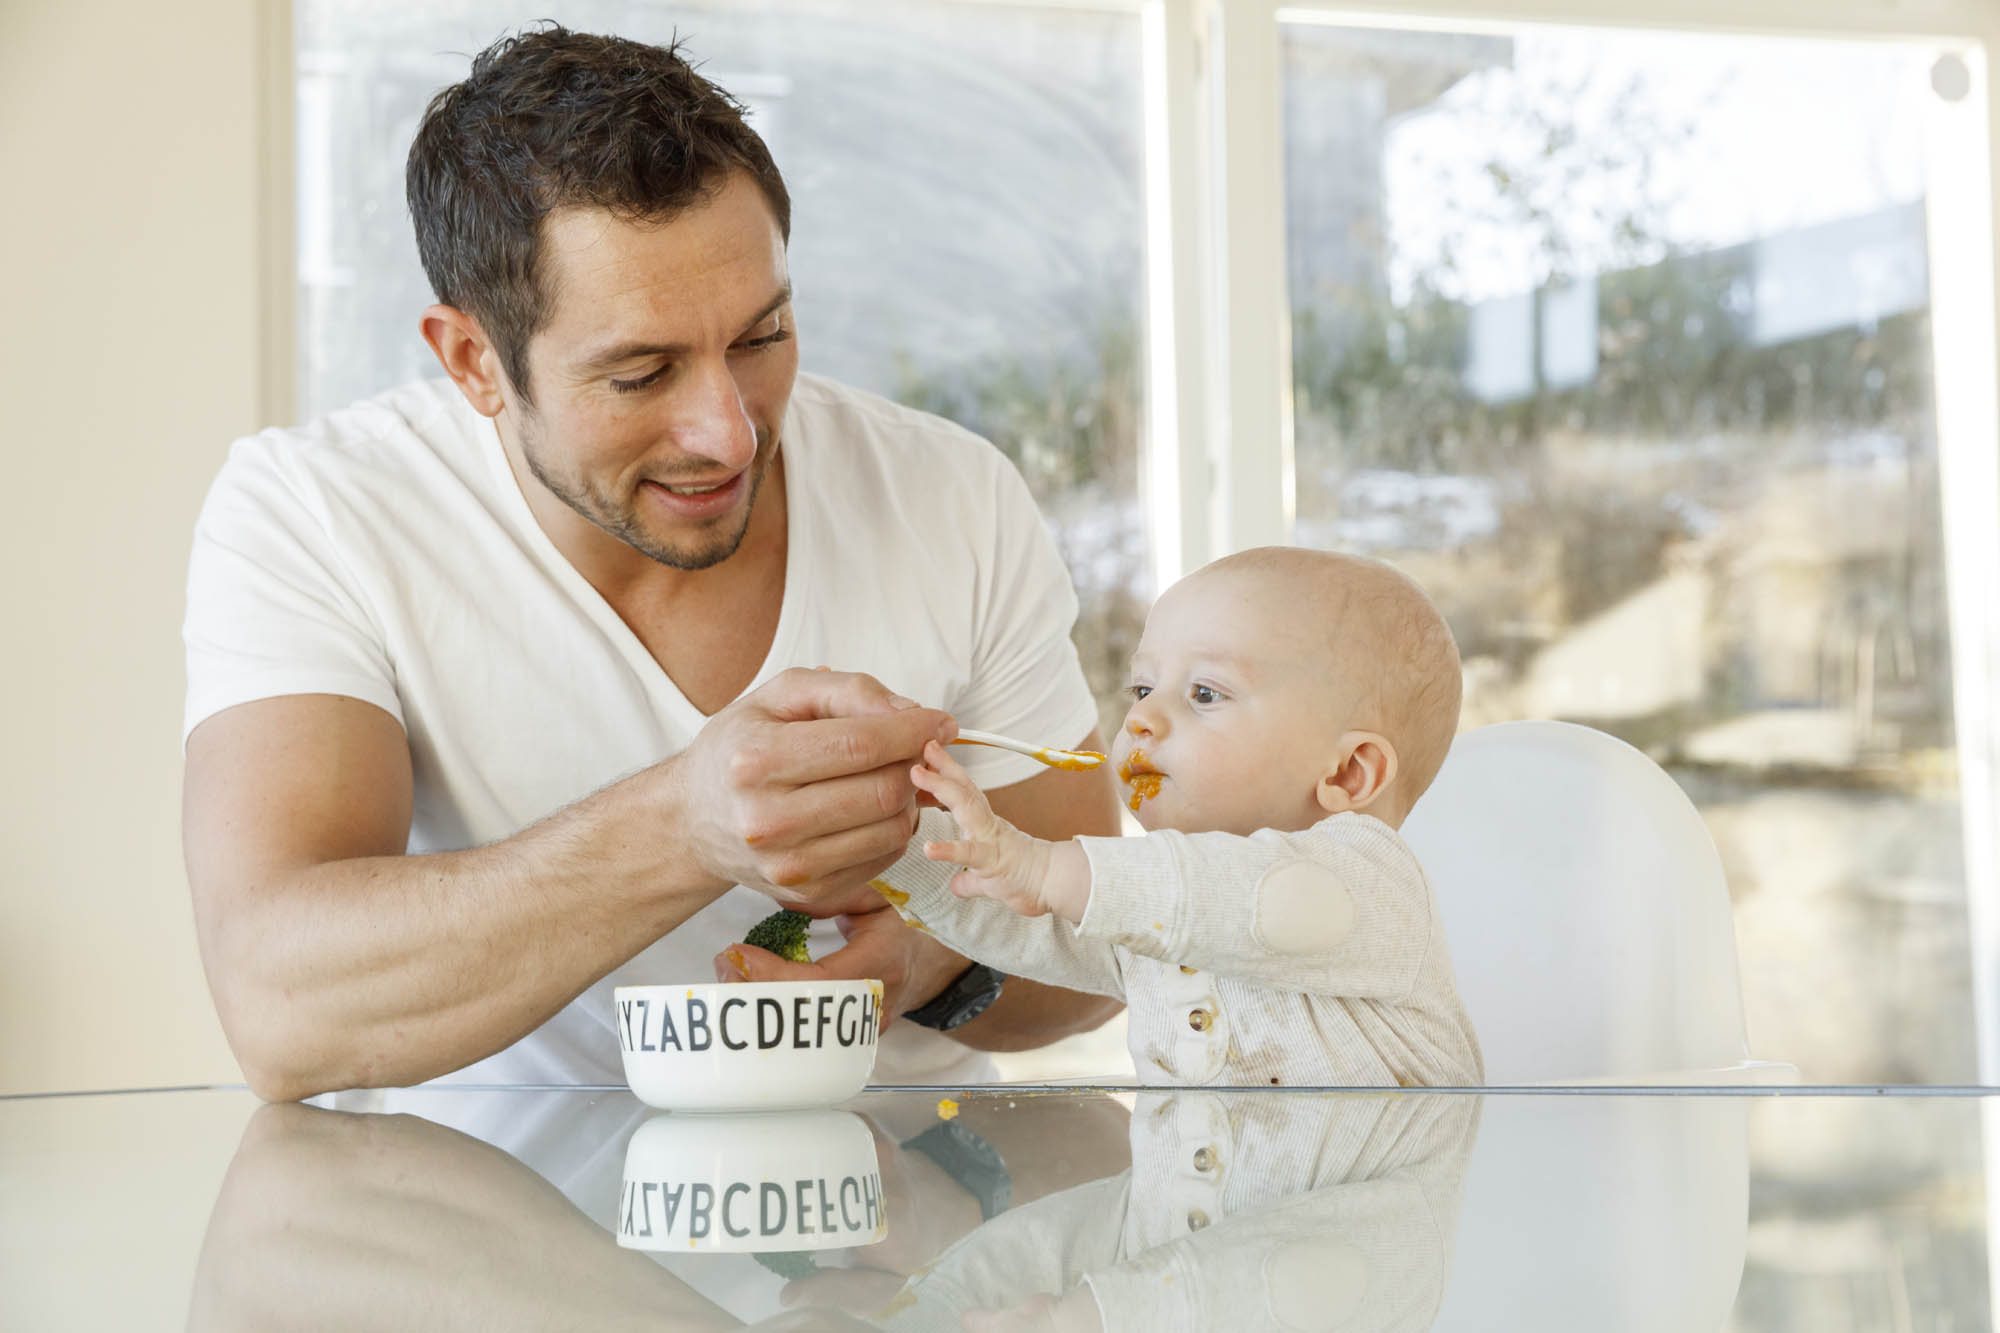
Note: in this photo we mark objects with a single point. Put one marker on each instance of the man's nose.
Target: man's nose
(709, 419)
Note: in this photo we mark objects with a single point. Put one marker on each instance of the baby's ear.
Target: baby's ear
(1364, 764)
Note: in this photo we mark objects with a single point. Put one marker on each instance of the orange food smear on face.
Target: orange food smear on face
(1136, 772)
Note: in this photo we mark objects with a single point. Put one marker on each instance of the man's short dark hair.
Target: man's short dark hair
(553, 119)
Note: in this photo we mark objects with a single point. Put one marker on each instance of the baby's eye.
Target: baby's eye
(1204, 694)
(1139, 691)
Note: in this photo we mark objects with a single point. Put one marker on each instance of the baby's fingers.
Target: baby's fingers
(941, 759)
(977, 855)
(953, 795)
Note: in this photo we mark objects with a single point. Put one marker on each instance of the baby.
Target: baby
(1288, 708)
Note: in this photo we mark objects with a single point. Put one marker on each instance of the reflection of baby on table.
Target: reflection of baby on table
(1241, 1211)
(1289, 707)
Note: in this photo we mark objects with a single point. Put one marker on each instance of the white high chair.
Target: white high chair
(1590, 929)
(1587, 912)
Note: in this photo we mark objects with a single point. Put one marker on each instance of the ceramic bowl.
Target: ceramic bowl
(749, 1045)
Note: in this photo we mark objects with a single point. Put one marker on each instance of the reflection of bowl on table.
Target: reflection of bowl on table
(755, 1182)
(750, 1045)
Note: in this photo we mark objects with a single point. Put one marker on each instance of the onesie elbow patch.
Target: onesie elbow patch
(1302, 907)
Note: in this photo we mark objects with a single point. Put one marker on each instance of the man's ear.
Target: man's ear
(467, 355)
(1364, 766)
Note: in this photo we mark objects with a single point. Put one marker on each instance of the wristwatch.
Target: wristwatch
(962, 1001)
(971, 1161)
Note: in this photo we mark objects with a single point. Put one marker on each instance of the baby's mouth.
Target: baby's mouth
(1137, 772)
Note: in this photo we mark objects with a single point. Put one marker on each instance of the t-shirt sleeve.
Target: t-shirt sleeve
(1026, 680)
(271, 609)
(1341, 908)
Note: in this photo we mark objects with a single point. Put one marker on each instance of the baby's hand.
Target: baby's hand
(1000, 861)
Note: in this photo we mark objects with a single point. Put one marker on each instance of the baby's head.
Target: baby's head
(1278, 686)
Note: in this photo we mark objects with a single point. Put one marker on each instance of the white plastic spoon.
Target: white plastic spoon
(1048, 754)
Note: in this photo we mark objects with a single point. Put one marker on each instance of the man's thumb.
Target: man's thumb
(747, 962)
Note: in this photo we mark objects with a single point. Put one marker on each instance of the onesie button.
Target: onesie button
(1204, 1159)
(1199, 1019)
(1197, 1219)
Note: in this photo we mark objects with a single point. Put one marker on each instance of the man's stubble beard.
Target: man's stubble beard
(625, 526)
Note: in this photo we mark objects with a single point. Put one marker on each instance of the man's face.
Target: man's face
(662, 373)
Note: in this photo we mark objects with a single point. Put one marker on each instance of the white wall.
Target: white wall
(128, 360)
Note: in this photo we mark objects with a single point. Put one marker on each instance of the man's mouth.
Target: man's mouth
(698, 499)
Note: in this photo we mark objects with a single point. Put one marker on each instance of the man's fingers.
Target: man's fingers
(815, 749)
(800, 694)
(825, 809)
(747, 962)
(829, 874)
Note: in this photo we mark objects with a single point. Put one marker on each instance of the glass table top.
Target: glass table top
(1002, 1208)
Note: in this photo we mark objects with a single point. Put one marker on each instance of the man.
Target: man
(496, 687)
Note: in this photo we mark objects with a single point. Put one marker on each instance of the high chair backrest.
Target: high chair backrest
(1586, 909)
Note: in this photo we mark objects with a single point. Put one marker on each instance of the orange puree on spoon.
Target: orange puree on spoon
(1080, 761)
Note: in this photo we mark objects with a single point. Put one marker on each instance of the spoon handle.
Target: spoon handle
(1047, 754)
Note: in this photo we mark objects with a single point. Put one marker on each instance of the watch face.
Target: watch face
(978, 1002)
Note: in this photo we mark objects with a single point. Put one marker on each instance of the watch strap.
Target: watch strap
(968, 996)
(971, 1161)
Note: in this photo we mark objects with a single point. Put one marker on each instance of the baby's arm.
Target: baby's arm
(1032, 876)
(1042, 948)
(1338, 909)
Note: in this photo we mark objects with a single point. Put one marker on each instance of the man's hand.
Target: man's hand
(1029, 875)
(801, 788)
(911, 965)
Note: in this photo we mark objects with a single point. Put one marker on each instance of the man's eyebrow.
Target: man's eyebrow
(632, 351)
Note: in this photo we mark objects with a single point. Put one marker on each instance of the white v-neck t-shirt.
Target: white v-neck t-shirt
(386, 553)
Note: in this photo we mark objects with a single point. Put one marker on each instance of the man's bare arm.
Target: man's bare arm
(1053, 805)
(338, 961)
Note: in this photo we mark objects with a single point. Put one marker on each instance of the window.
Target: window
(1622, 344)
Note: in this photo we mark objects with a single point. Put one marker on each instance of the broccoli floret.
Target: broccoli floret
(790, 1265)
(782, 933)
